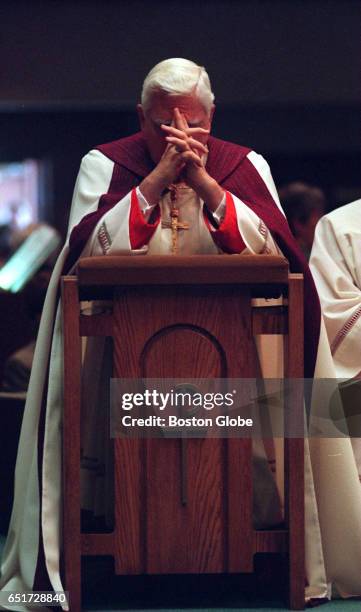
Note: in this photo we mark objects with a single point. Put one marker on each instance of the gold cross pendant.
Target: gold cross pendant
(175, 227)
(174, 224)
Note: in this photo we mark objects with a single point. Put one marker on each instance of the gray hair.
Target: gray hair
(178, 76)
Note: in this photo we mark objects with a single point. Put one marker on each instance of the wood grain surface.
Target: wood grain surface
(181, 333)
(182, 505)
(182, 270)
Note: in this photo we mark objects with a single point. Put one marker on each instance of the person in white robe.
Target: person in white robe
(336, 267)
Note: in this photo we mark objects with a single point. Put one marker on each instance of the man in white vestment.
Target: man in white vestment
(336, 267)
(172, 188)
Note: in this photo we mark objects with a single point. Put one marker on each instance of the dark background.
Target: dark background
(286, 75)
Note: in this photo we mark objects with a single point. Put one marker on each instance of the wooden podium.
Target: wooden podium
(179, 317)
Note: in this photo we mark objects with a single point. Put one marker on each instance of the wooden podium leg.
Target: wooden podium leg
(240, 496)
(294, 460)
(294, 448)
(71, 443)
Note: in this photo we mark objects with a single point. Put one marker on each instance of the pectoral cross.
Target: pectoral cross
(174, 224)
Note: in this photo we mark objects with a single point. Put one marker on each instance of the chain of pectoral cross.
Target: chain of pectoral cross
(174, 224)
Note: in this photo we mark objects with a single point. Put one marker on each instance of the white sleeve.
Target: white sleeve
(144, 205)
(254, 232)
(111, 233)
(264, 171)
(124, 229)
(93, 180)
(219, 213)
(334, 264)
(241, 230)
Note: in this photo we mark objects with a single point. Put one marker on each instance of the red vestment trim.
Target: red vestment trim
(345, 330)
(227, 236)
(140, 231)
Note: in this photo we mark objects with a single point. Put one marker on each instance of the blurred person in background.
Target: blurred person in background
(304, 206)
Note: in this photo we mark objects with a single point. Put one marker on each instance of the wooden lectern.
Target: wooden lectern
(178, 317)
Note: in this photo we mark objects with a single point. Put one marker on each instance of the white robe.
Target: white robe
(336, 267)
(20, 555)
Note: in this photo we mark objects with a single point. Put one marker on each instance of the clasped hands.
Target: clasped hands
(183, 156)
(183, 153)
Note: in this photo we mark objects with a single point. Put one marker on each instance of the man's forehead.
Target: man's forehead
(167, 118)
(161, 108)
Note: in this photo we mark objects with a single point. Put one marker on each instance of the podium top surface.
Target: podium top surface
(143, 270)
